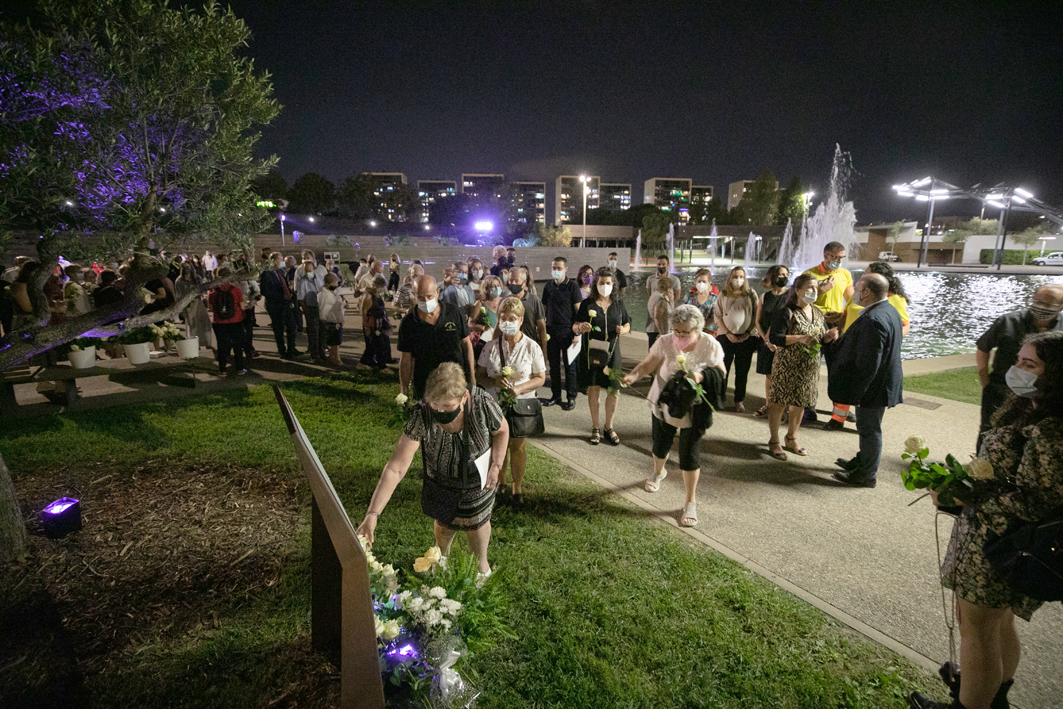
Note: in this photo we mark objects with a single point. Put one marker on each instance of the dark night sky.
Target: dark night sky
(716, 91)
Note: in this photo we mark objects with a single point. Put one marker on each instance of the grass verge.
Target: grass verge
(610, 609)
(956, 384)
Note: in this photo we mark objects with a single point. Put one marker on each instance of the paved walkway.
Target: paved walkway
(863, 556)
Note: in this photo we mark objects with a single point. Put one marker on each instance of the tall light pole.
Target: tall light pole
(282, 228)
(930, 190)
(586, 181)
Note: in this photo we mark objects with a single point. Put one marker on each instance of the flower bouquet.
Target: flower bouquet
(429, 627)
(948, 479)
(167, 332)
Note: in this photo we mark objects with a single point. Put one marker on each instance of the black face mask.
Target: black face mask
(515, 288)
(332, 287)
(662, 270)
(445, 417)
(781, 281)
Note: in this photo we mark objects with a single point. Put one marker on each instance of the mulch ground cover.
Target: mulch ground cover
(170, 556)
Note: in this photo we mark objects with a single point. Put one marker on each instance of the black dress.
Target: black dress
(772, 303)
(607, 321)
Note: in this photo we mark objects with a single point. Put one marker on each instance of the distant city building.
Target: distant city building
(701, 194)
(388, 205)
(431, 190)
(568, 197)
(483, 186)
(615, 196)
(527, 204)
(672, 194)
(737, 190)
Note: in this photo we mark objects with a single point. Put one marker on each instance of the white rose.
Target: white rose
(402, 598)
(438, 592)
(401, 399)
(914, 444)
(446, 625)
(379, 626)
(606, 371)
(415, 604)
(391, 630)
(979, 469)
(449, 605)
(433, 617)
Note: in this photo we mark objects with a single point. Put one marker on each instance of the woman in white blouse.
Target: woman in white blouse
(510, 348)
(736, 328)
(699, 351)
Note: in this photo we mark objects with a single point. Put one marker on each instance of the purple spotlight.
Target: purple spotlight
(483, 226)
(61, 517)
(404, 651)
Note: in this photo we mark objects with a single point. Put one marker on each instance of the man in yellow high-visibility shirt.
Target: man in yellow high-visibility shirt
(835, 285)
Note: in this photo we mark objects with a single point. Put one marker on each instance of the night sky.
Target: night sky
(716, 91)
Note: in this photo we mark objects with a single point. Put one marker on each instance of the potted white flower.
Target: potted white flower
(82, 354)
(137, 344)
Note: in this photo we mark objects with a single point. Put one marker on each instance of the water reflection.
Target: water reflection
(949, 311)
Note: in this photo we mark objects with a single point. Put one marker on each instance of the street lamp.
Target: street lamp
(929, 190)
(282, 228)
(586, 181)
(1043, 239)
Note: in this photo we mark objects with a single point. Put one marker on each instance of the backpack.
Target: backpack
(224, 304)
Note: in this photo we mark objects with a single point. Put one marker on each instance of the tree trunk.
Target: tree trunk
(13, 538)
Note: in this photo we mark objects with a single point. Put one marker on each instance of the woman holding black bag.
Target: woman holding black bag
(601, 320)
(461, 433)
(688, 354)
(1003, 521)
(511, 367)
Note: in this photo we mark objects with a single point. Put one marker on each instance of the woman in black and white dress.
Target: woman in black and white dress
(601, 320)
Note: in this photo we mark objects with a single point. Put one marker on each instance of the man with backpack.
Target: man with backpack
(227, 315)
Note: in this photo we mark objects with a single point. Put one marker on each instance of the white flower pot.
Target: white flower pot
(188, 349)
(84, 358)
(139, 353)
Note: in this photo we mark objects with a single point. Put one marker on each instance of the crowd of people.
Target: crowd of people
(477, 345)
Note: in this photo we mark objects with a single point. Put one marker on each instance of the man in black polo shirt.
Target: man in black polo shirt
(1006, 335)
(561, 298)
(430, 334)
(621, 279)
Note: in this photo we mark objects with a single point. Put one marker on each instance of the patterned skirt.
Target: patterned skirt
(474, 510)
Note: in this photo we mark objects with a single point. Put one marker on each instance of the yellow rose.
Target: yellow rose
(421, 564)
(433, 555)
(979, 469)
(914, 444)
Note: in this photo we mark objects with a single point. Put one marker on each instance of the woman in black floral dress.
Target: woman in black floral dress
(1026, 452)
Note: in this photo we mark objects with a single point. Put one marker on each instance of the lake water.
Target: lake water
(948, 311)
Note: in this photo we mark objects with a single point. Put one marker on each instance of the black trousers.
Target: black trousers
(230, 338)
(282, 320)
(313, 333)
(249, 331)
(741, 354)
(651, 337)
(557, 354)
(663, 435)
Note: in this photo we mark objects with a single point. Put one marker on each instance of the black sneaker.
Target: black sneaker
(855, 477)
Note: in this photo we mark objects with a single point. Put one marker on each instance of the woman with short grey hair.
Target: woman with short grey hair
(685, 349)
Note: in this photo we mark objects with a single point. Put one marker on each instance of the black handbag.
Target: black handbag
(525, 417)
(1030, 559)
(439, 500)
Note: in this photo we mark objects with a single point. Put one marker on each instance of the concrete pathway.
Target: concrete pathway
(862, 555)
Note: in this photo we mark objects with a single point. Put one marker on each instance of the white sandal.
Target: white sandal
(689, 512)
(654, 483)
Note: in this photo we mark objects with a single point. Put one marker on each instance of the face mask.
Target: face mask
(781, 281)
(445, 417)
(516, 288)
(605, 289)
(612, 263)
(508, 327)
(427, 306)
(738, 282)
(702, 287)
(1021, 382)
(496, 292)
(809, 297)
(834, 265)
(856, 298)
(478, 273)
(557, 275)
(682, 342)
(463, 277)
(588, 279)
(1042, 313)
(332, 287)
(662, 270)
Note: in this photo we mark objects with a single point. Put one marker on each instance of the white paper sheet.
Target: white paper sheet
(482, 465)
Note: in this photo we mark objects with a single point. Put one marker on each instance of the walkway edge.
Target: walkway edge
(813, 600)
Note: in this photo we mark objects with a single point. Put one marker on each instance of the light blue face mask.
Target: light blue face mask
(834, 265)
(428, 306)
(557, 275)
(496, 292)
(1021, 382)
(509, 328)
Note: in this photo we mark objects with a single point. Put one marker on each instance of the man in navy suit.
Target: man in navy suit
(866, 371)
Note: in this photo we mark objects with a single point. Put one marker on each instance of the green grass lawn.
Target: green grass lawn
(957, 384)
(611, 609)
